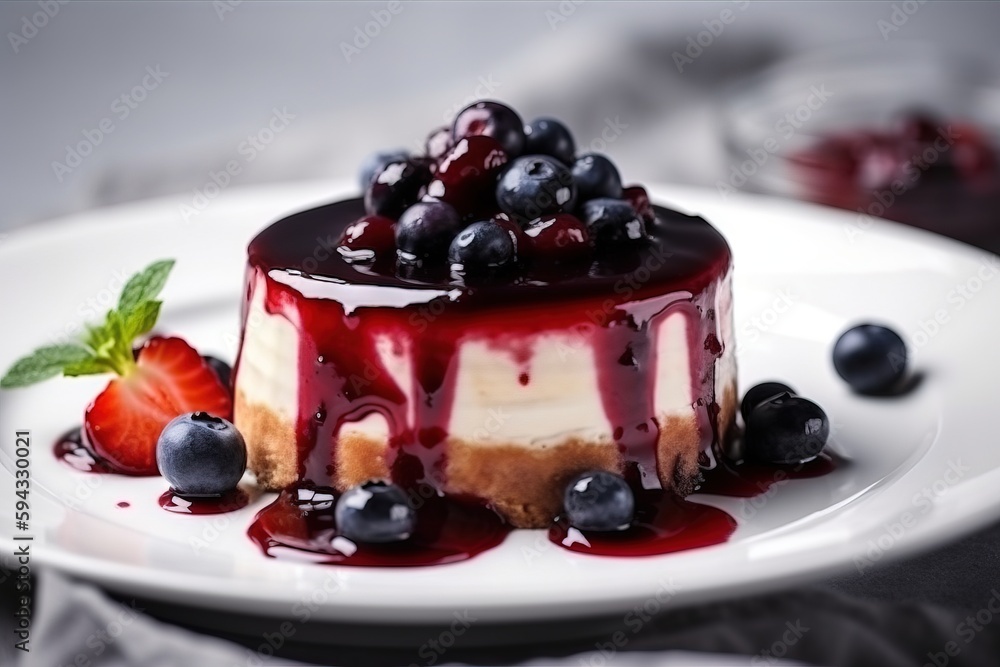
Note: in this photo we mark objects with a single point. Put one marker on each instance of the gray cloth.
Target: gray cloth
(76, 623)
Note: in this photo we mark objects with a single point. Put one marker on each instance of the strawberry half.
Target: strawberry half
(166, 379)
(169, 379)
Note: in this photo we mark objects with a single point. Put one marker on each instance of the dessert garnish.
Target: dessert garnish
(164, 378)
(488, 174)
(786, 430)
(759, 393)
(599, 500)
(375, 512)
(871, 358)
(201, 455)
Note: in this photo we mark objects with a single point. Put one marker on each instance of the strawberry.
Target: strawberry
(165, 379)
(125, 420)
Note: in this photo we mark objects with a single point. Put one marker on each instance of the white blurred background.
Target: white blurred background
(227, 66)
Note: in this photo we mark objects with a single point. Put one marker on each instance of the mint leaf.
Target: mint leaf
(145, 285)
(89, 366)
(141, 319)
(42, 364)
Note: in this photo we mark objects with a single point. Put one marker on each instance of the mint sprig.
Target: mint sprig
(106, 347)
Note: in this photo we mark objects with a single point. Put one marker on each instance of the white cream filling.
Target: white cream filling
(561, 398)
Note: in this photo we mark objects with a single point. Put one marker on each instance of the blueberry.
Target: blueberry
(223, 370)
(492, 119)
(759, 393)
(599, 500)
(375, 512)
(870, 358)
(533, 186)
(481, 247)
(596, 176)
(547, 136)
(396, 186)
(425, 230)
(786, 430)
(376, 162)
(201, 455)
(612, 222)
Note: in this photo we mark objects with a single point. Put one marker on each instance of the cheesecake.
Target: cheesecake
(502, 392)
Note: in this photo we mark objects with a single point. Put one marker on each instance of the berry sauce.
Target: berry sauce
(231, 501)
(449, 529)
(938, 175)
(748, 479)
(71, 449)
(664, 523)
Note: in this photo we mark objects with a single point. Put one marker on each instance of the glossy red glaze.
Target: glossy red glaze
(236, 499)
(448, 530)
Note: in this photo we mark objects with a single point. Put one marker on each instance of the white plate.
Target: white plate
(803, 274)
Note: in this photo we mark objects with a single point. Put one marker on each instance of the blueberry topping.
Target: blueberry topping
(376, 162)
(514, 231)
(375, 513)
(371, 236)
(201, 455)
(425, 230)
(493, 120)
(612, 222)
(870, 358)
(759, 393)
(533, 186)
(596, 176)
(786, 430)
(547, 136)
(599, 500)
(222, 370)
(481, 246)
(396, 186)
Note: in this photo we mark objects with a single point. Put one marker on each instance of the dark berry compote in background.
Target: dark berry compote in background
(935, 173)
